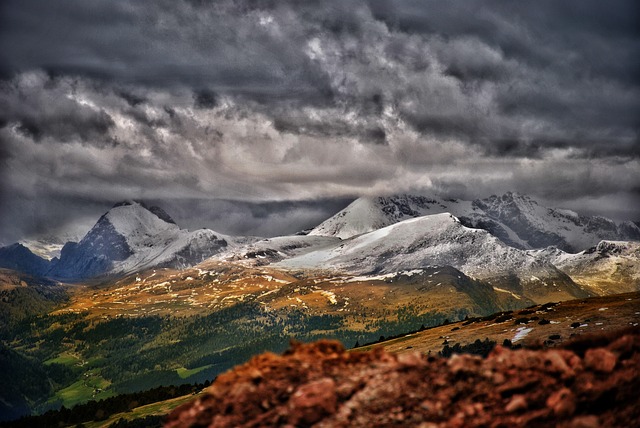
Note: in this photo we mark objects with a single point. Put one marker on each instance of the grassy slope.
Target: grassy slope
(64, 358)
(160, 408)
(92, 387)
(595, 314)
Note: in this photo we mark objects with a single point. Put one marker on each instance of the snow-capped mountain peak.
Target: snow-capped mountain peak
(438, 240)
(157, 211)
(130, 237)
(516, 219)
(370, 213)
(139, 225)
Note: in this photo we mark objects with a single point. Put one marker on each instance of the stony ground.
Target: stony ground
(592, 382)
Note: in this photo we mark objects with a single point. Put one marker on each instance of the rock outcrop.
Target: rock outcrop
(591, 383)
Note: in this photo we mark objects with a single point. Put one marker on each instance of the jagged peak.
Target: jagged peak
(162, 214)
(15, 245)
(514, 197)
(613, 247)
(154, 209)
(408, 196)
(19, 248)
(124, 203)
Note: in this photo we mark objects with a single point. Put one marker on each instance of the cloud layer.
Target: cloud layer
(297, 101)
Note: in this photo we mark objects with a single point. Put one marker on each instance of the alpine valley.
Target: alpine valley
(139, 302)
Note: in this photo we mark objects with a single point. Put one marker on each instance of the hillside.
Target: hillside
(549, 324)
(170, 326)
(607, 268)
(523, 328)
(23, 296)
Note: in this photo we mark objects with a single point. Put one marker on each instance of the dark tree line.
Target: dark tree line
(103, 409)
(479, 347)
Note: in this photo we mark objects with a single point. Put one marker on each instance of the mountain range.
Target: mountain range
(511, 237)
(516, 219)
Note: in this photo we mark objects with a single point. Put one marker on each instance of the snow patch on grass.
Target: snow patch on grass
(521, 333)
(507, 291)
(330, 296)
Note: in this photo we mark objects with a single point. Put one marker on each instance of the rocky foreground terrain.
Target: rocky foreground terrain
(592, 381)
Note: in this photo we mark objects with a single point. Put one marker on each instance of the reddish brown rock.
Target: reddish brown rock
(322, 385)
(313, 401)
(556, 361)
(586, 421)
(600, 360)
(562, 403)
(517, 403)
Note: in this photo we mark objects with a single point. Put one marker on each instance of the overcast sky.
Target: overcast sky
(264, 117)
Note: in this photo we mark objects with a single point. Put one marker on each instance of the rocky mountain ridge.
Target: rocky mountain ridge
(130, 237)
(497, 237)
(516, 219)
(439, 240)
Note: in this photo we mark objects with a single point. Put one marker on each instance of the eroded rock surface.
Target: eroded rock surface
(593, 383)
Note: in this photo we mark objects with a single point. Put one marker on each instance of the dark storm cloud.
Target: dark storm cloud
(40, 108)
(570, 62)
(205, 99)
(172, 43)
(579, 26)
(288, 100)
(132, 99)
(541, 58)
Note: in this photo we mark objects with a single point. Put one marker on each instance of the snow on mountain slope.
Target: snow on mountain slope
(370, 213)
(515, 219)
(610, 267)
(140, 227)
(271, 250)
(438, 239)
(131, 237)
(542, 227)
(179, 251)
(367, 214)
